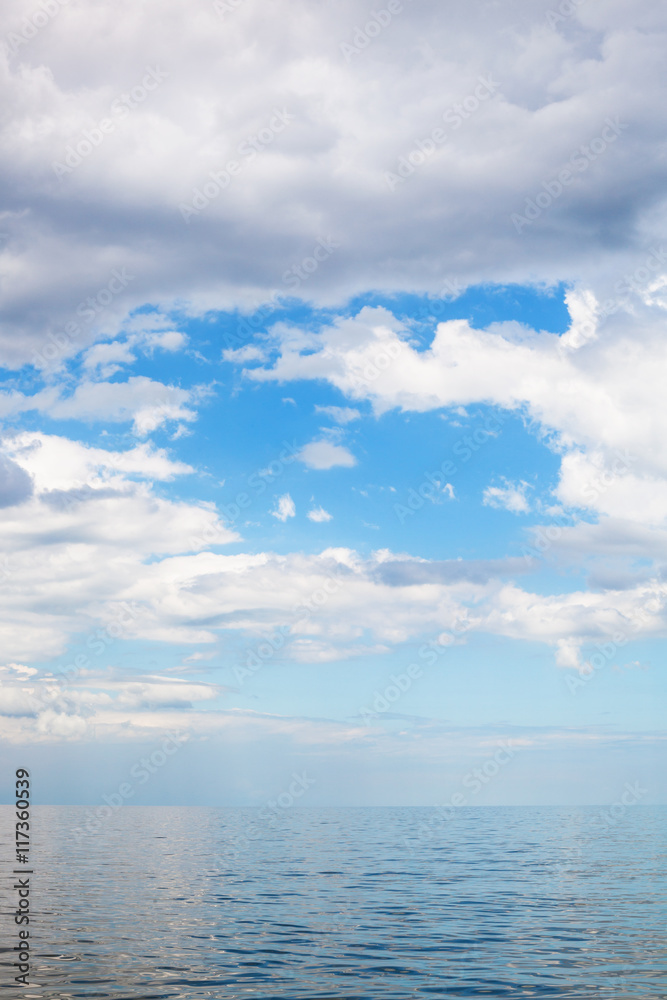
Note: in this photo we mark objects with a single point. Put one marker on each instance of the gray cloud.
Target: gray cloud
(15, 483)
(355, 119)
(408, 572)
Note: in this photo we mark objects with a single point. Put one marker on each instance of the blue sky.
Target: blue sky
(378, 520)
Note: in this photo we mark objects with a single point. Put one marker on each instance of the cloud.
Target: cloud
(568, 654)
(146, 403)
(105, 359)
(56, 462)
(15, 483)
(340, 414)
(167, 340)
(414, 572)
(89, 530)
(325, 455)
(319, 514)
(324, 174)
(609, 429)
(510, 497)
(95, 538)
(284, 508)
(250, 352)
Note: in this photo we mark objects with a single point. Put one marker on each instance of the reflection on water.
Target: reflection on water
(498, 902)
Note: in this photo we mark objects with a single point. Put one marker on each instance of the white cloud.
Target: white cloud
(87, 532)
(52, 707)
(250, 352)
(319, 514)
(568, 654)
(567, 621)
(284, 507)
(599, 407)
(107, 359)
(510, 497)
(168, 340)
(325, 172)
(58, 463)
(340, 414)
(325, 455)
(94, 538)
(140, 400)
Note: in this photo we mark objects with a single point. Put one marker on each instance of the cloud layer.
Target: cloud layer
(143, 108)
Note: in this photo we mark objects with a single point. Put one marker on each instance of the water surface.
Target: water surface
(345, 903)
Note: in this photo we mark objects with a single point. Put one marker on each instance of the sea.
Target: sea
(158, 902)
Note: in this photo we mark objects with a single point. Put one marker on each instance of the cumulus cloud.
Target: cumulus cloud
(88, 531)
(325, 455)
(168, 340)
(41, 711)
(48, 706)
(56, 462)
(511, 496)
(105, 359)
(324, 175)
(609, 429)
(94, 540)
(339, 414)
(145, 403)
(15, 483)
(284, 508)
(319, 514)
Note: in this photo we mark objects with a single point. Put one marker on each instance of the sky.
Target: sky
(332, 435)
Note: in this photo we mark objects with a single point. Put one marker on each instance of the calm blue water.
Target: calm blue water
(494, 902)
